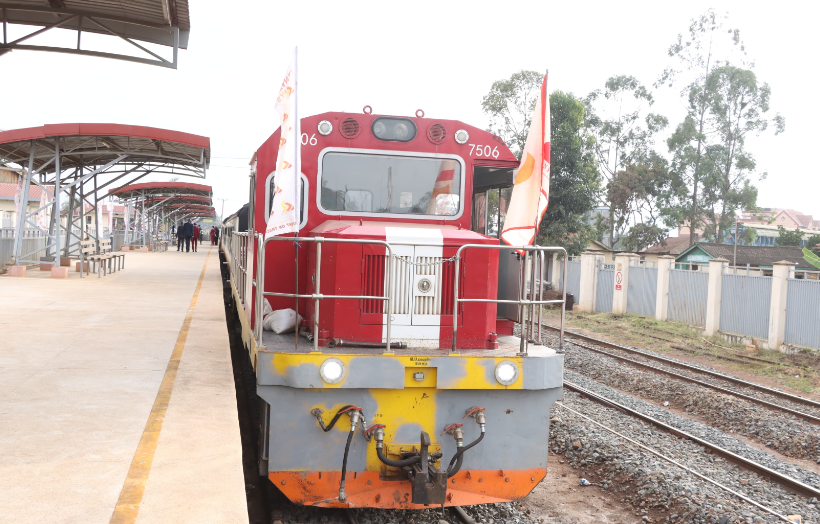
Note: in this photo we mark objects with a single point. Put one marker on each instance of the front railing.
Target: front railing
(316, 297)
(534, 257)
(238, 251)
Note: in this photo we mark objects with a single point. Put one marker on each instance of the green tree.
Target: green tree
(706, 45)
(789, 238)
(813, 242)
(574, 179)
(510, 104)
(737, 108)
(634, 175)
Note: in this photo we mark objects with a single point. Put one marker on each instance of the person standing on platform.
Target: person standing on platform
(188, 231)
(213, 235)
(196, 236)
(216, 235)
(180, 237)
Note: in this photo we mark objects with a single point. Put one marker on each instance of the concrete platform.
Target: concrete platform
(95, 424)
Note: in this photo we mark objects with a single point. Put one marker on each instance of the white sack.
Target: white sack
(281, 321)
(266, 309)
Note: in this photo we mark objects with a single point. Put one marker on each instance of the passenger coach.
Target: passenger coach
(388, 205)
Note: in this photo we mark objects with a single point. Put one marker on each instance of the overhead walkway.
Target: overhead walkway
(117, 397)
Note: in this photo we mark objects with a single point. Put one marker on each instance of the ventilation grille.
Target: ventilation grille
(349, 128)
(436, 133)
(373, 283)
(440, 303)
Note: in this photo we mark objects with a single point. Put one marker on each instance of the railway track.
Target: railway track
(659, 454)
(751, 385)
(784, 480)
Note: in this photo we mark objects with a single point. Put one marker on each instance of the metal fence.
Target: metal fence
(573, 279)
(803, 313)
(688, 292)
(606, 290)
(642, 290)
(745, 303)
(29, 245)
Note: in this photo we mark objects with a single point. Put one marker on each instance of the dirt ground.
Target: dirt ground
(560, 499)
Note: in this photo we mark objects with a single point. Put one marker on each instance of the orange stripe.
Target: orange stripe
(128, 504)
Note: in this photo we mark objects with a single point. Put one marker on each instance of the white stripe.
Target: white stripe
(424, 330)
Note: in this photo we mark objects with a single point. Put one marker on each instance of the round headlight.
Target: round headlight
(462, 136)
(332, 370)
(379, 129)
(506, 373)
(325, 127)
(400, 131)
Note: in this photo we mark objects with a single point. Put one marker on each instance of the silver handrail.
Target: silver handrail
(239, 258)
(523, 303)
(316, 297)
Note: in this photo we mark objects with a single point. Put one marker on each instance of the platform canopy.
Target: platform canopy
(86, 162)
(161, 22)
(158, 205)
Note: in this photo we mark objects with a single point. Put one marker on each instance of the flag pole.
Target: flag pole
(296, 158)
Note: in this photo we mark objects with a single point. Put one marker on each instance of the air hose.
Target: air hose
(318, 412)
(458, 458)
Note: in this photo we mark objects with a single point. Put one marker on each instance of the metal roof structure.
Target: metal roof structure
(163, 203)
(163, 189)
(77, 163)
(161, 22)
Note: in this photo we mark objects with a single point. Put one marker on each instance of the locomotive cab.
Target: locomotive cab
(396, 274)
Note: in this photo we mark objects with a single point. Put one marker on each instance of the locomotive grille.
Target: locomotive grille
(373, 282)
(349, 128)
(439, 303)
(436, 133)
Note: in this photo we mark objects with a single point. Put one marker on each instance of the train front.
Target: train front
(418, 423)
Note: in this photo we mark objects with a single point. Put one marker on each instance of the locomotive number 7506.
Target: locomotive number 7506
(485, 151)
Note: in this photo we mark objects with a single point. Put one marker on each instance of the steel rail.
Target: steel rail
(462, 515)
(676, 463)
(760, 469)
(728, 378)
(805, 416)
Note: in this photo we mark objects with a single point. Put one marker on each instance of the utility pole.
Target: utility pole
(734, 261)
(222, 213)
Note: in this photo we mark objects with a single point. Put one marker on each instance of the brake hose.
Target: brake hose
(317, 413)
(458, 458)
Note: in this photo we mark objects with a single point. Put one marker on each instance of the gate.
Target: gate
(688, 292)
(642, 290)
(803, 313)
(606, 290)
(744, 305)
(573, 278)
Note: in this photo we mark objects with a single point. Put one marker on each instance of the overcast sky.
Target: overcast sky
(439, 56)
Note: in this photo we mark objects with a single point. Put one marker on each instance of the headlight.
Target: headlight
(325, 127)
(462, 136)
(332, 370)
(506, 373)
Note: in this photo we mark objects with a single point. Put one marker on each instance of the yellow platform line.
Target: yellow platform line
(128, 504)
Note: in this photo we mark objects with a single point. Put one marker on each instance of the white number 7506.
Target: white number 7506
(485, 151)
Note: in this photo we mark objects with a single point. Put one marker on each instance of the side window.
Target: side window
(303, 185)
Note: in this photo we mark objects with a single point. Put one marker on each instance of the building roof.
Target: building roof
(98, 145)
(157, 189)
(144, 20)
(754, 256)
(671, 245)
(7, 192)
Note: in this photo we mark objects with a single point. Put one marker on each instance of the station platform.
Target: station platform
(117, 400)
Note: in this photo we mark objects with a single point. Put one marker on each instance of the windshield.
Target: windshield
(359, 183)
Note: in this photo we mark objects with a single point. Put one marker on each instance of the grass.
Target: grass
(799, 371)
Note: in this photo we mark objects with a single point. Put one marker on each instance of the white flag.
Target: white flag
(110, 210)
(42, 221)
(530, 195)
(18, 198)
(284, 210)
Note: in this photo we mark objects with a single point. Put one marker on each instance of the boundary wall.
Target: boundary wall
(780, 311)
